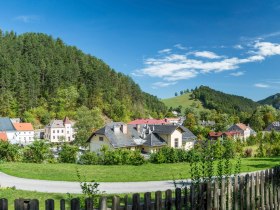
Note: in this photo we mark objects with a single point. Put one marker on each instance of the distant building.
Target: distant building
(273, 126)
(229, 135)
(7, 127)
(24, 133)
(245, 130)
(60, 130)
(3, 136)
(147, 138)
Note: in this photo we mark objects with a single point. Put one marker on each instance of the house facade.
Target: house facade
(24, 133)
(60, 131)
(7, 127)
(244, 130)
(147, 138)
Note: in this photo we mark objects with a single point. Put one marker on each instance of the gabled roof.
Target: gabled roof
(187, 134)
(66, 120)
(241, 126)
(6, 124)
(154, 139)
(164, 129)
(3, 136)
(23, 126)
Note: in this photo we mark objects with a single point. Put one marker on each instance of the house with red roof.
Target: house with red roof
(228, 134)
(24, 133)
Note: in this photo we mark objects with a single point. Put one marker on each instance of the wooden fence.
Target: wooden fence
(260, 190)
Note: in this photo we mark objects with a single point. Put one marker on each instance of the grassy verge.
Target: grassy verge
(121, 173)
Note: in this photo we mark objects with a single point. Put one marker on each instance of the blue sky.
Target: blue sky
(167, 45)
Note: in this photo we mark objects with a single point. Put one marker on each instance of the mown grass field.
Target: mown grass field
(183, 100)
(119, 173)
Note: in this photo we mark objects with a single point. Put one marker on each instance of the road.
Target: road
(74, 187)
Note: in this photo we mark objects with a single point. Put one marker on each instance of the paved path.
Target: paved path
(74, 187)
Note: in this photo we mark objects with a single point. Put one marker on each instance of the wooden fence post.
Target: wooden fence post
(136, 202)
(62, 204)
(115, 202)
(216, 195)
(229, 193)
(236, 193)
(209, 195)
(257, 192)
(147, 201)
(49, 204)
(102, 203)
(247, 184)
(262, 180)
(126, 202)
(178, 198)
(241, 189)
(158, 201)
(253, 194)
(168, 199)
(223, 195)
(266, 190)
(89, 204)
(186, 198)
(3, 204)
(75, 204)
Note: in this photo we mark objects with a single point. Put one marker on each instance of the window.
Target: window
(57, 131)
(176, 143)
(101, 138)
(29, 138)
(53, 131)
(62, 131)
(67, 132)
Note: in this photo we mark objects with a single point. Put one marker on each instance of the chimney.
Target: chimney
(124, 128)
(138, 128)
(116, 128)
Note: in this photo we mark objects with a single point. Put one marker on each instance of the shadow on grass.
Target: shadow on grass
(261, 166)
(273, 159)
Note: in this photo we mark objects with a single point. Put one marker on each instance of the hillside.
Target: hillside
(207, 98)
(225, 103)
(273, 100)
(184, 100)
(37, 71)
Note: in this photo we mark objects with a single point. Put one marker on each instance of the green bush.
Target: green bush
(68, 154)
(89, 158)
(37, 152)
(9, 152)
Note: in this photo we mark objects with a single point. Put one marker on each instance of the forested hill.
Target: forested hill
(222, 102)
(39, 71)
(273, 100)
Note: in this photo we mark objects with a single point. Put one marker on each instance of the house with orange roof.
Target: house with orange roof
(24, 133)
(3, 136)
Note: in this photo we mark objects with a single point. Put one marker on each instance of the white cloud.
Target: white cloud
(179, 46)
(237, 74)
(207, 54)
(238, 46)
(267, 48)
(27, 18)
(157, 85)
(165, 51)
(261, 85)
(173, 67)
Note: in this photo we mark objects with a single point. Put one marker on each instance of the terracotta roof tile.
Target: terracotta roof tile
(3, 136)
(23, 126)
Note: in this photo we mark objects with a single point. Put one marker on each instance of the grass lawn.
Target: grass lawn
(121, 173)
(12, 194)
(183, 100)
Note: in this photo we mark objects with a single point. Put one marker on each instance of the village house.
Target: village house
(24, 133)
(60, 131)
(147, 138)
(224, 135)
(273, 126)
(245, 130)
(7, 127)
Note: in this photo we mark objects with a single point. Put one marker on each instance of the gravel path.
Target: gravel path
(74, 187)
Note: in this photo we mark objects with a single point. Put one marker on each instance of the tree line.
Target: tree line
(40, 75)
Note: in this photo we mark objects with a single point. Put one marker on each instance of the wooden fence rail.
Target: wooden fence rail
(260, 190)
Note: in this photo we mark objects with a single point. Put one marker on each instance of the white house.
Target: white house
(147, 138)
(60, 130)
(244, 130)
(24, 133)
(7, 127)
